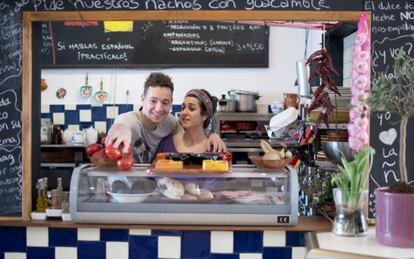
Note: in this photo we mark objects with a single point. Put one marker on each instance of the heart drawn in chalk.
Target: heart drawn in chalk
(388, 137)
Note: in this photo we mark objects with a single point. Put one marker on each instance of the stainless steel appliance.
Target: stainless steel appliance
(242, 132)
(246, 101)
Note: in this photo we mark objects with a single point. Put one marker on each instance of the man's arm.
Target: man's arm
(117, 134)
(215, 143)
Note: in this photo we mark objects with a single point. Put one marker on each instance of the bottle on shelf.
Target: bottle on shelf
(40, 201)
(45, 192)
(57, 195)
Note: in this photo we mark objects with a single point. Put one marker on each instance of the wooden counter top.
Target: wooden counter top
(305, 224)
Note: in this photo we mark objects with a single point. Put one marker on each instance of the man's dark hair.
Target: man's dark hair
(160, 80)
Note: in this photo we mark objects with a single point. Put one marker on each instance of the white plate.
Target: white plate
(284, 118)
(130, 198)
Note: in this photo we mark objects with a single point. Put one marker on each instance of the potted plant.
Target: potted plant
(350, 194)
(395, 204)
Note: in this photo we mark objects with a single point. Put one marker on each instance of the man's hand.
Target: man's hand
(117, 134)
(215, 143)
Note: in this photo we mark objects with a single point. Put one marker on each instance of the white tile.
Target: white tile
(347, 82)
(96, 104)
(117, 250)
(250, 256)
(298, 252)
(14, 255)
(74, 127)
(111, 112)
(37, 236)
(66, 252)
(85, 115)
(70, 107)
(88, 234)
(45, 108)
(221, 242)
(136, 107)
(169, 247)
(347, 70)
(59, 118)
(140, 232)
(100, 126)
(274, 238)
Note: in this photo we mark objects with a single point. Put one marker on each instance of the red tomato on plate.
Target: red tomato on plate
(125, 163)
(92, 148)
(112, 152)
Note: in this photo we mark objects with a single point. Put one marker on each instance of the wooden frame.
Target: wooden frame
(30, 17)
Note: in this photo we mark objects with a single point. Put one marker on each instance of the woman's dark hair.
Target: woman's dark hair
(158, 79)
(203, 107)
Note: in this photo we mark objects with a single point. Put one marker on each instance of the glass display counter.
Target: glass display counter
(245, 196)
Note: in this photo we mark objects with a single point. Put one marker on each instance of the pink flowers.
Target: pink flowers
(361, 63)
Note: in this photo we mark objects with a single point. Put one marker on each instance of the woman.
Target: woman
(197, 115)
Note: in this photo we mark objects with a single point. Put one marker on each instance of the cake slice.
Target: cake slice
(215, 165)
(168, 164)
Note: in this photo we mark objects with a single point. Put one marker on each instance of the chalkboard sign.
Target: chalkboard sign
(154, 44)
(10, 114)
(392, 29)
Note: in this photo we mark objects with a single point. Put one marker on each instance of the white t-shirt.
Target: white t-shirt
(144, 140)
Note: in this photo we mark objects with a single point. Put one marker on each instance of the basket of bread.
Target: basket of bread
(273, 158)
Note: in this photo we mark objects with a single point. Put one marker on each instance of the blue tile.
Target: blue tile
(46, 116)
(91, 249)
(85, 125)
(109, 123)
(248, 241)
(195, 239)
(295, 238)
(224, 256)
(157, 232)
(56, 108)
(71, 117)
(40, 252)
(63, 237)
(122, 108)
(277, 252)
(12, 239)
(143, 247)
(1, 255)
(98, 113)
(83, 107)
(176, 108)
(114, 234)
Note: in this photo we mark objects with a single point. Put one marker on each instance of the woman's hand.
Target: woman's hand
(215, 143)
(117, 134)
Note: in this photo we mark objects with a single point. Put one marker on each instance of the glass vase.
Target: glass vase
(349, 219)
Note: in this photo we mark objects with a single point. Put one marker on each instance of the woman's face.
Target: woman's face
(191, 114)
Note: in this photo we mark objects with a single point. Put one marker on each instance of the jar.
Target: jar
(56, 135)
(46, 131)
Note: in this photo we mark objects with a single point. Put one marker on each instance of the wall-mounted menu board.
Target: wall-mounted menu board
(392, 29)
(154, 44)
(10, 115)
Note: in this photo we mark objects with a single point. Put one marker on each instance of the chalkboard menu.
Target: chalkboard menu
(392, 29)
(154, 44)
(10, 113)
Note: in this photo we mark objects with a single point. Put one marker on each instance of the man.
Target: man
(144, 129)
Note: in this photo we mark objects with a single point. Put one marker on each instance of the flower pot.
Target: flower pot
(349, 218)
(394, 218)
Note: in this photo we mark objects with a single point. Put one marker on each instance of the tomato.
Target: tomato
(227, 156)
(112, 152)
(99, 153)
(92, 148)
(125, 163)
(129, 151)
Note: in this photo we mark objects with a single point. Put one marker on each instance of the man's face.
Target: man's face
(156, 104)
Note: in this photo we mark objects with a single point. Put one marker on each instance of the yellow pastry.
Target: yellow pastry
(216, 165)
(168, 164)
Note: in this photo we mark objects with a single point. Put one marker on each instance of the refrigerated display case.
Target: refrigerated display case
(245, 196)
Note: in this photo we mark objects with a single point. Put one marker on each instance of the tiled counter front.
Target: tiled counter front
(59, 243)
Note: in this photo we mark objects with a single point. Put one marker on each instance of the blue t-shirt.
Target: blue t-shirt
(166, 145)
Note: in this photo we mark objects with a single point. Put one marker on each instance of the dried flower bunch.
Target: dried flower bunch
(324, 71)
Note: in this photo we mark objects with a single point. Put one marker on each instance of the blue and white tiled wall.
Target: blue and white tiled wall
(81, 116)
(72, 243)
